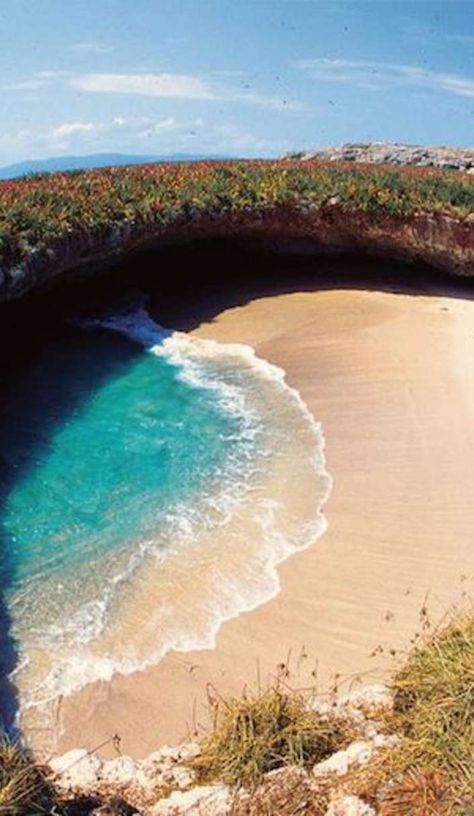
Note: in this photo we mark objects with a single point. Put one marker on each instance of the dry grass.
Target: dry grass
(432, 772)
(24, 788)
(288, 793)
(418, 792)
(259, 733)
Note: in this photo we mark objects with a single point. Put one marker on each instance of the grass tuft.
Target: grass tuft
(434, 703)
(24, 788)
(432, 771)
(257, 734)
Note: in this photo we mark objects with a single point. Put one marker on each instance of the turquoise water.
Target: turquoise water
(150, 484)
(106, 474)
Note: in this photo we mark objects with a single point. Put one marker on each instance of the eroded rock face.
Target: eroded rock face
(162, 770)
(439, 240)
(119, 771)
(163, 784)
(205, 800)
(370, 699)
(76, 770)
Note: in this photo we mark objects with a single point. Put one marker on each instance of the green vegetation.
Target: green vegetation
(432, 772)
(435, 701)
(257, 734)
(40, 213)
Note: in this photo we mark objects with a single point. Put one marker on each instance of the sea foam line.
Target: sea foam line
(189, 354)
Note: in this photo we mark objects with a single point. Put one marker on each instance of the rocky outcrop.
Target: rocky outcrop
(443, 242)
(445, 158)
(204, 800)
(165, 783)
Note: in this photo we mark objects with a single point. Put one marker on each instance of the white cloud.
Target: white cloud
(374, 75)
(119, 130)
(52, 74)
(162, 85)
(24, 85)
(176, 86)
(118, 133)
(144, 135)
(165, 85)
(89, 48)
(41, 79)
(68, 129)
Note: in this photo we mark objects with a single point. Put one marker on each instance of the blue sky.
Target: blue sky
(233, 77)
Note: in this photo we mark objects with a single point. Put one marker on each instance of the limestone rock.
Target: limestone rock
(205, 800)
(177, 777)
(446, 158)
(386, 741)
(158, 771)
(121, 770)
(359, 752)
(337, 764)
(76, 769)
(359, 704)
(189, 751)
(349, 806)
(167, 752)
(375, 698)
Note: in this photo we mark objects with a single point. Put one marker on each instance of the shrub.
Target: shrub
(432, 771)
(257, 734)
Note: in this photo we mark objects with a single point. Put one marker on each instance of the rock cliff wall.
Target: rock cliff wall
(441, 241)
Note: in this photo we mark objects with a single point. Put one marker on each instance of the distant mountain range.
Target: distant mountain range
(61, 163)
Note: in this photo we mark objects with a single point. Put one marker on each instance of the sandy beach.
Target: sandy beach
(391, 379)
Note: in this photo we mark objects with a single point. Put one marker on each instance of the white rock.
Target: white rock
(322, 707)
(359, 752)
(376, 697)
(337, 764)
(386, 741)
(76, 769)
(157, 758)
(349, 806)
(150, 770)
(205, 800)
(177, 777)
(188, 751)
(168, 752)
(370, 730)
(146, 780)
(151, 775)
(119, 771)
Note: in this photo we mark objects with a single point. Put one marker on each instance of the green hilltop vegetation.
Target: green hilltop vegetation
(40, 211)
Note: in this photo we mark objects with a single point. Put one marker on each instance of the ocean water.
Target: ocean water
(151, 483)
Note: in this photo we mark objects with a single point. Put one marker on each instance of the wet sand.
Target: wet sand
(391, 378)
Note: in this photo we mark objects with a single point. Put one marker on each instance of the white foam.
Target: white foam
(192, 357)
